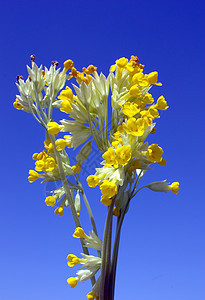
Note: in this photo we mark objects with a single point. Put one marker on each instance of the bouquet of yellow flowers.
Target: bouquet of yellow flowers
(126, 154)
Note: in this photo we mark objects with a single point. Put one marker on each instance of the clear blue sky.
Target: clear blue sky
(162, 245)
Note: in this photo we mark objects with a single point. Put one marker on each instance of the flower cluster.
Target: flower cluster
(126, 153)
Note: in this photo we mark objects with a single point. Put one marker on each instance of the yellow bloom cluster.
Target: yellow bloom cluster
(126, 153)
(84, 76)
(114, 157)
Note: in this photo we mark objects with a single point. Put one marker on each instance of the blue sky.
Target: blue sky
(162, 244)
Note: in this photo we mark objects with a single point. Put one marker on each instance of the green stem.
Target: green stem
(68, 195)
(105, 266)
(89, 211)
(113, 267)
(41, 115)
(117, 242)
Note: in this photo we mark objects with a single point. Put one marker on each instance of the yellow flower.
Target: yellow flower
(50, 201)
(76, 168)
(54, 128)
(152, 78)
(73, 260)
(33, 176)
(122, 62)
(106, 200)
(108, 189)
(18, 105)
(68, 64)
(92, 180)
(61, 144)
(153, 112)
(130, 109)
(90, 296)
(140, 79)
(90, 70)
(148, 99)
(79, 233)
(174, 187)
(72, 281)
(68, 139)
(116, 211)
(161, 103)
(66, 94)
(123, 154)
(49, 146)
(65, 106)
(40, 164)
(50, 164)
(59, 211)
(110, 156)
(154, 153)
(135, 91)
(147, 117)
(135, 127)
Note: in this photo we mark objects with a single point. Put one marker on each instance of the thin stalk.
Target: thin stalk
(108, 255)
(50, 108)
(41, 115)
(89, 211)
(69, 198)
(30, 106)
(104, 254)
(117, 241)
(113, 267)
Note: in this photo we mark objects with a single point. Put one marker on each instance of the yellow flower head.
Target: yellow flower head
(116, 211)
(105, 200)
(49, 146)
(135, 127)
(76, 168)
(153, 112)
(122, 62)
(54, 128)
(90, 296)
(154, 153)
(40, 165)
(161, 103)
(61, 144)
(68, 139)
(33, 176)
(72, 281)
(73, 260)
(108, 189)
(135, 91)
(109, 156)
(59, 211)
(66, 94)
(140, 79)
(68, 64)
(92, 180)
(18, 105)
(174, 187)
(79, 233)
(50, 201)
(66, 106)
(152, 78)
(148, 99)
(123, 154)
(130, 109)
(50, 164)
(90, 70)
